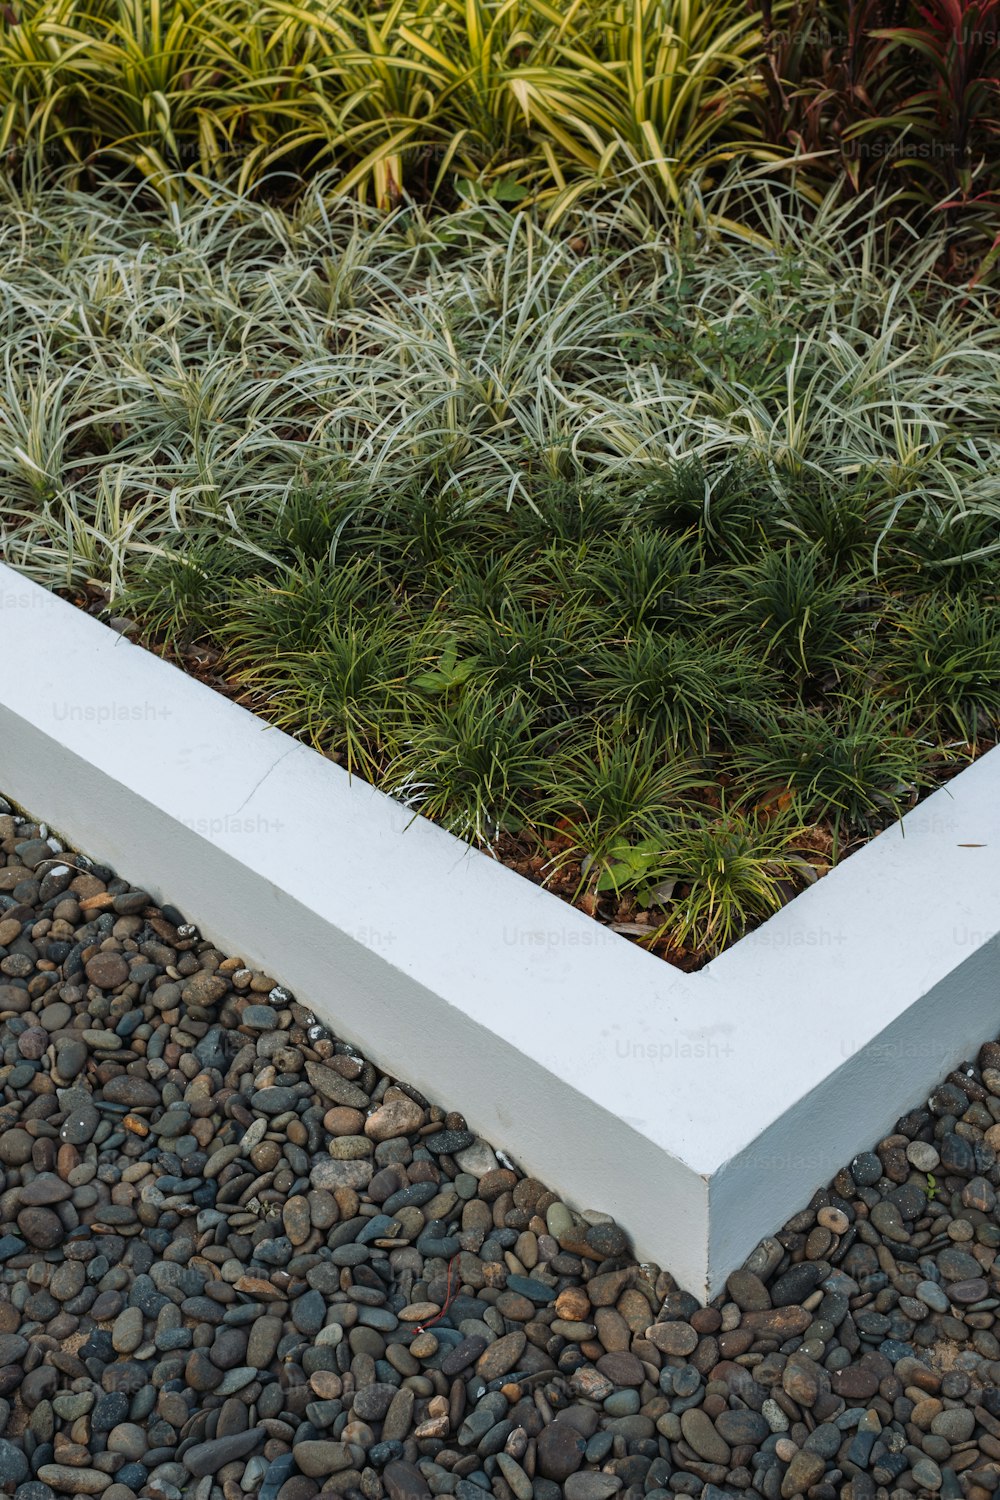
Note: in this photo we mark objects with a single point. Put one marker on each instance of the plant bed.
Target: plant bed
(673, 688)
(711, 1103)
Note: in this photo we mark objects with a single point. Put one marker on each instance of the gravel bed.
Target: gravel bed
(237, 1260)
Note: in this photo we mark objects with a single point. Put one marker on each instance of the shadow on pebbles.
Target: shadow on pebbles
(238, 1260)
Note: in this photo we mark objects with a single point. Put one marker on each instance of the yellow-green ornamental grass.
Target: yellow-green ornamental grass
(525, 99)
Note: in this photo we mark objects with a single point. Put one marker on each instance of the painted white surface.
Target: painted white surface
(699, 1109)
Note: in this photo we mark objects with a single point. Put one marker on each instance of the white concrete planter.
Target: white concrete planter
(700, 1110)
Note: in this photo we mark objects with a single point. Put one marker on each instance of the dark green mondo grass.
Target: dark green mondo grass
(265, 621)
(798, 611)
(726, 503)
(181, 592)
(472, 760)
(646, 577)
(689, 691)
(675, 703)
(345, 693)
(944, 659)
(728, 868)
(850, 766)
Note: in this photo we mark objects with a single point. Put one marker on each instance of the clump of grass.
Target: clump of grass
(841, 520)
(851, 765)
(798, 613)
(266, 620)
(739, 868)
(471, 762)
(726, 503)
(346, 693)
(646, 577)
(312, 521)
(689, 691)
(944, 661)
(534, 649)
(607, 791)
(180, 593)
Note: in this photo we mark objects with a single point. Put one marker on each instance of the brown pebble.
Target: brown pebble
(256, 1287)
(818, 1242)
(266, 1156)
(327, 1384)
(67, 1157)
(635, 1310)
(99, 901)
(573, 1304)
(778, 1322)
(501, 1356)
(515, 1307)
(397, 1117)
(734, 1343)
(347, 1201)
(612, 1330)
(855, 1383)
(622, 1369)
(833, 1219)
(604, 1290)
(342, 1120)
(678, 1339)
(493, 1184)
(748, 1291)
(106, 970)
(32, 1043)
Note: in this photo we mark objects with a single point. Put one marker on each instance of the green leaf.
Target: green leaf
(508, 190)
(451, 673)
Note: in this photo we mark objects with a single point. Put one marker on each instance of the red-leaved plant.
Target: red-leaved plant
(948, 129)
(823, 74)
(892, 89)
